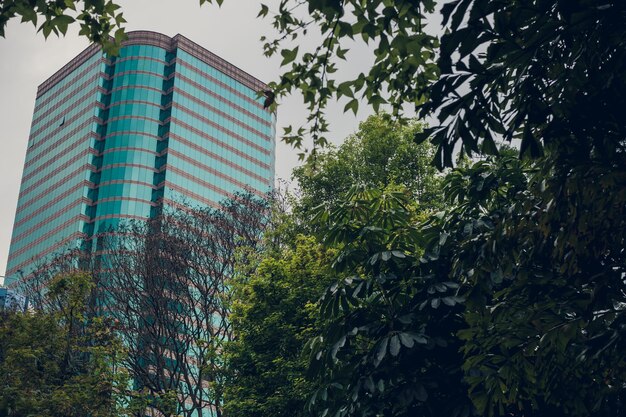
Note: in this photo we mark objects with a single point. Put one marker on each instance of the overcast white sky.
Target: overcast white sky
(231, 32)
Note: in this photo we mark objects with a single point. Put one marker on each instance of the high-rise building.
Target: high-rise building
(116, 138)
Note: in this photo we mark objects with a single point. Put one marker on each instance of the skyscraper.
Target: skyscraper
(116, 138)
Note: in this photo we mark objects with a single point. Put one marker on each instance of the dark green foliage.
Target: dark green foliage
(100, 20)
(274, 315)
(541, 71)
(549, 73)
(537, 247)
(539, 330)
(389, 345)
(275, 311)
(61, 362)
(546, 269)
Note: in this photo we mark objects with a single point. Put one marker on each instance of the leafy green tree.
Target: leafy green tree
(100, 20)
(61, 362)
(526, 335)
(382, 152)
(274, 315)
(545, 273)
(544, 266)
(388, 345)
(543, 71)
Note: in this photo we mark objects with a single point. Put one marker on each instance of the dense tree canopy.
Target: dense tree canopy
(389, 344)
(274, 315)
(541, 251)
(510, 301)
(61, 362)
(536, 248)
(275, 310)
(380, 153)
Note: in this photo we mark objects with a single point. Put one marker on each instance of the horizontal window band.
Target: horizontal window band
(134, 117)
(201, 149)
(65, 121)
(117, 60)
(217, 157)
(130, 148)
(60, 197)
(222, 129)
(137, 72)
(220, 98)
(131, 133)
(223, 114)
(52, 217)
(58, 156)
(71, 97)
(205, 184)
(218, 82)
(43, 238)
(82, 169)
(41, 195)
(121, 198)
(64, 72)
(33, 165)
(207, 169)
(138, 87)
(188, 193)
(76, 236)
(218, 142)
(128, 165)
(83, 217)
(199, 132)
(117, 216)
(67, 135)
(124, 181)
(124, 102)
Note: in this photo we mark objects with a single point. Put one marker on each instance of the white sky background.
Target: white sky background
(232, 32)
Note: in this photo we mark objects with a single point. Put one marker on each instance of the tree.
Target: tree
(544, 269)
(270, 381)
(541, 71)
(100, 21)
(274, 314)
(380, 153)
(62, 361)
(546, 288)
(536, 339)
(164, 281)
(388, 345)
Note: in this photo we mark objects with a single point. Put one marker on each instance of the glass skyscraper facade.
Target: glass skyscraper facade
(116, 138)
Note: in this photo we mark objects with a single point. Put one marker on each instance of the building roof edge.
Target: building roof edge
(146, 37)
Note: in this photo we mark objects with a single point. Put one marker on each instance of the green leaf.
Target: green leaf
(345, 89)
(264, 11)
(407, 340)
(381, 351)
(394, 345)
(289, 55)
(420, 393)
(352, 105)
